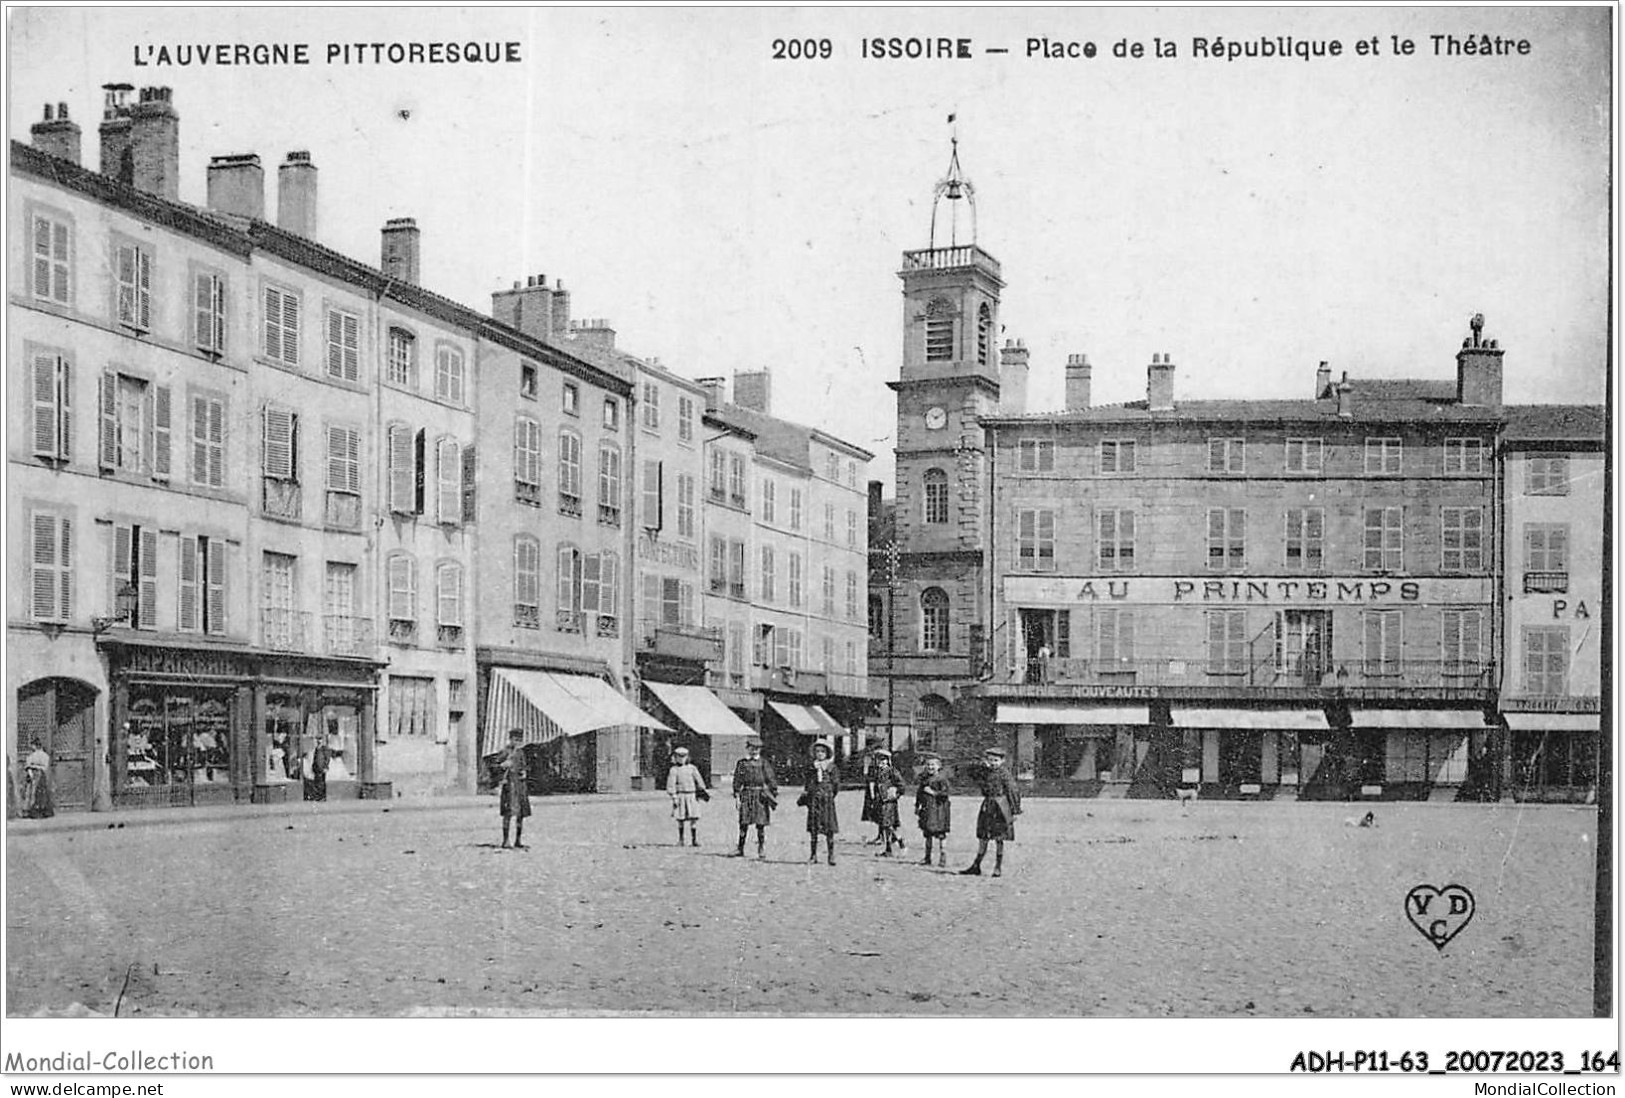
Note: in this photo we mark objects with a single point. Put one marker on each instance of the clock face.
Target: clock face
(935, 418)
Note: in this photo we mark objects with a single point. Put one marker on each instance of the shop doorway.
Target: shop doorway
(61, 715)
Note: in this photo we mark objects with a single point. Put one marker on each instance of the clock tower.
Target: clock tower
(949, 378)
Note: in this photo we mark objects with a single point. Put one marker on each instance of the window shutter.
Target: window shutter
(203, 305)
(290, 329)
(279, 455)
(64, 567)
(200, 440)
(217, 287)
(651, 600)
(1125, 634)
(161, 416)
(47, 573)
(569, 579)
(400, 469)
(273, 323)
(126, 284)
(609, 584)
(470, 472)
(335, 344)
(188, 604)
(108, 453)
(420, 459)
(448, 464)
(143, 288)
(42, 257)
(217, 444)
(48, 421)
(449, 603)
(148, 580)
(402, 581)
(589, 583)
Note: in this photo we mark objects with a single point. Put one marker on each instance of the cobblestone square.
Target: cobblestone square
(1111, 909)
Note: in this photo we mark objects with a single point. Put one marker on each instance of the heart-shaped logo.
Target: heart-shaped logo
(1440, 913)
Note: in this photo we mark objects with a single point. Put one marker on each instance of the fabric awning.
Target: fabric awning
(1264, 720)
(1072, 713)
(700, 709)
(809, 720)
(1553, 722)
(545, 706)
(1440, 719)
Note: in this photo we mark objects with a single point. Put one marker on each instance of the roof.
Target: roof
(1556, 423)
(784, 442)
(1387, 408)
(710, 420)
(241, 236)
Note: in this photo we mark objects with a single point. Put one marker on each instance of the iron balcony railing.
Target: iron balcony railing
(285, 630)
(349, 635)
(1200, 671)
(1554, 583)
(847, 685)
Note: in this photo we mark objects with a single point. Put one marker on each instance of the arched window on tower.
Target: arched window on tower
(936, 496)
(984, 333)
(934, 620)
(939, 331)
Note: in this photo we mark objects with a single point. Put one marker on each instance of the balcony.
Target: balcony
(792, 680)
(947, 259)
(1063, 677)
(569, 505)
(285, 630)
(846, 685)
(1545, 583)
(347, 635)
(701, 644)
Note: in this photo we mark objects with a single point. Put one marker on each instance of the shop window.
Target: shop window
(176, 738)
(412, 708)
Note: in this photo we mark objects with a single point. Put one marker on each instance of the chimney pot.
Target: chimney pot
(56, 135)
(236, 185)
(1159, 383)
(1479, 368)
(402, 249)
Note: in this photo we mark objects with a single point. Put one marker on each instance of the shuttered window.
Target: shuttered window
(1226, 538)
(202, 603)
(281, 326)
(570, 474)
(609, 484)
(1035, 540)
(136, 420)
(448, 374)
(343, 459)
(209, 311)
(653, 480)
(1114, 641)
(527, 459)
(134, 286)
(214, 585)
(568, 618)
(208, 419)
(52, 566)
(163, 414)
(401, 365)
(50, 405)
(527, 582)
(1384, 539)
(609, 593)
(1226, 642)
(448, 482)
(1462, 641)
(402, 471)
(1383, 630)
(52, 267)
(135, 562)
(343, 345)
(280, 453)
(449, 595)
(403, 588)
(189, 604)
(685, 505)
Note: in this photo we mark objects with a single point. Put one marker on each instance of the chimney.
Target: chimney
(57, 135)
(155, 144)
(1345, 397)
(116, 163)
(296, 195)
(754, 389)
(561, 311)
(1077, 382)
(528, 308)
(237, 185)
(595, 332)
(1013, 377)
(1159, 384)
(714, 388)
(877, 498)
(1323, 381)
(401, 247)
(1478, 368)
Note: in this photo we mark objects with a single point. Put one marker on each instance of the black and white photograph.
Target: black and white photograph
(1068, 539)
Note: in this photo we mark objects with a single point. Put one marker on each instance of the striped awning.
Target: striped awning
(1264, 720)
(809, 720)
(700, 709)
(545, 706)
(1442, 719)
(1553, 722)
(1071, 713)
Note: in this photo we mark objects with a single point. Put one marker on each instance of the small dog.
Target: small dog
(1187, 798)
(1368, 820)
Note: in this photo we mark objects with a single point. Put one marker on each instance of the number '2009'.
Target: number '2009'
(799, 49)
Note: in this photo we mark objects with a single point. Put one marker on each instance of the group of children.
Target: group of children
(755, 789)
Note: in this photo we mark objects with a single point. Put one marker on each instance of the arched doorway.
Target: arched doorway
(934, 725)
(61, 714)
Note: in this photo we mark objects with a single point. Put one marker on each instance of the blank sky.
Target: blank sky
(729, 211)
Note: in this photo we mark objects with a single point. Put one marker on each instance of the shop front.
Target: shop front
(581, 736)
(713, 733)
(1553, 755)
(1415, 754)
(788, 736)
(1086, 749)
(1237, 751)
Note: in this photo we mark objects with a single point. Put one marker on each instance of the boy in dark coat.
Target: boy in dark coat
(514, 796)
(1001, 804)
(887, 782)
(823, 783)
(932, 810)
(756, 789)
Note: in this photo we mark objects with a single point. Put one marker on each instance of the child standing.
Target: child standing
(514, 795)
(888, 787)
(756, 788)
(931, 808)
(823, 783)
(1001, 804)
(687, 788)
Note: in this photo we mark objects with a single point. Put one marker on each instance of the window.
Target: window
(719, 476)
(448, 467)
(795, 580)
(653, 495)
(685, 419)
(1462, 544)
(685, 505)
(877, 617)
(279, 461)
(202, 602)
(829, 591)
(343, 477)
(570, 474)
(767, 574)
(826, 653)
(829, 522)
(672, 600)
(651, 406)
(1384, 539)
(1114, 637)
(53, 421)
(851, 596)
(795, 508)
(406, 469)
(135, 288)
(1226, 642)
(402, 573)
(609, 484)
(343, 345)
(736, 569)
(736, 654)
(939, 331)
(571, 405)
(567, 616)
(1463, 455)
(1383, 630)
(851, 528)
(1305, 455)
(761, 654)
(209, 311)
(527, 460)
(851, 474)
(527, 582)
(280, 625)
(1226, 538)
(1037, 455)
(345, 635)
(600, 592)
(736, 480)
(448, 374)
(135, 425)
(53, 258)
(832, 468)
(1462, 646)
(770, 490)
(528, 380)
(984, 333)
(135, 562)
(936, 496)
(1306, 537)
(401, 363)
(934, 620)
(1117, 455)
(1546, 660)
(411, 707)
(1546, 557)
(1226, 455)
(612, 414)
(1035, 540)
(1115, 540)
(448, 601)
(1382, 456)
(793, 656)
(51, 578)
(1548, 475)
(281, 326)
(718, 558)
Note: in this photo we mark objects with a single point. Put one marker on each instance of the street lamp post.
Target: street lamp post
(892, 556)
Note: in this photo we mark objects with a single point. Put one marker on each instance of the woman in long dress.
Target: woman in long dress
(38, 804)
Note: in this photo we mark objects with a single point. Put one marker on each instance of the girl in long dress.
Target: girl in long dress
(38, 803)
(823, 783)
